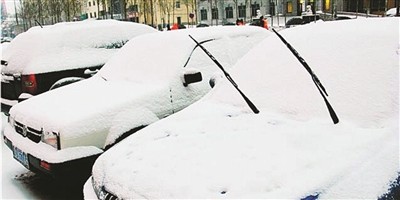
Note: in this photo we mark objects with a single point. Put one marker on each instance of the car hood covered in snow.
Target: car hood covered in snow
(86, 107)
(218, 148)
(77, 44)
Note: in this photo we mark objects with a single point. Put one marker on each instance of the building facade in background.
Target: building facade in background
(227, 11)
(161, 13)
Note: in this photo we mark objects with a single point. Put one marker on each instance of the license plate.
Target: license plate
(21, 156)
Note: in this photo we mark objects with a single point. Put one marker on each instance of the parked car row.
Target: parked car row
(163, 118)
(61, 132)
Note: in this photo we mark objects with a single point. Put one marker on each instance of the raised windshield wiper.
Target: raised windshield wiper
(38, 23)
(202, 42)
(315, 79)
(251, 105)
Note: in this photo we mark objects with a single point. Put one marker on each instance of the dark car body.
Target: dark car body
(13, 85)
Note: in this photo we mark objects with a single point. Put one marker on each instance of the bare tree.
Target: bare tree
(171, 10)
(147, 9)
(152, 12)
(187, 4)
(66, 7)
(54, 9)
(122, 4)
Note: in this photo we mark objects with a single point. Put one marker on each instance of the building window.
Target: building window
(377, 5)
(133, 8)
(178, 4)
(242, 11)
(203, 14)
(229, 12)
(90, 3)
(95, 14)
(289, 7)
(327, 5)
(94, 3)
(254, 8)
(91, 16)
(214, 13)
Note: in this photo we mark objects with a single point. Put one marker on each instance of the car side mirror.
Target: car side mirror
(3, 62)
(216, 77)
(190, 77)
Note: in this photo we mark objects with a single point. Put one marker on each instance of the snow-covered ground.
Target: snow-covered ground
(19, 183)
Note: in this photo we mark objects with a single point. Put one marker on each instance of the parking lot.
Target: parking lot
(275, 137)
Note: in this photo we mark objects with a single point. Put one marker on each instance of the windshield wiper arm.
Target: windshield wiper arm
(315, 79)
(251, 105)
(38, 23)
(190, 56)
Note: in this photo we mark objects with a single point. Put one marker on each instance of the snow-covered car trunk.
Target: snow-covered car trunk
(217, 148)
(39, 58)
(153, 76)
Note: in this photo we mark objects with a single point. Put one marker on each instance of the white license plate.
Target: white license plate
(21, 156)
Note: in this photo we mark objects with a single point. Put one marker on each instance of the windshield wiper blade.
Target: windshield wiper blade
(315, 79)
(251, 105)
(190, 55)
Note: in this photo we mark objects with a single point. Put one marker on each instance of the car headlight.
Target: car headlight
(101, 192)
(97, 189)
(51, 138)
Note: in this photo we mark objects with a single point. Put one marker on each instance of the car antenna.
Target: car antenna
(38, 23)
(251, 105)
(315, 79)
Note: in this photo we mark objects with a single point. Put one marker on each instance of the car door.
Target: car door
(191, 82)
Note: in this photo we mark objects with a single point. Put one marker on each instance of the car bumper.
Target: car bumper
(69, 163)
(88, 189)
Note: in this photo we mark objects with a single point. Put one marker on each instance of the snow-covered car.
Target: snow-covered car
(217, 148)
(62, 132)
(46, 57)
(391, 12)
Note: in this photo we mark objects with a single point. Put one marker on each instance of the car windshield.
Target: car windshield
(152, 57)
(157, 57)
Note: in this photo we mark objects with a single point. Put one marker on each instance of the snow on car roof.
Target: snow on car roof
(69, 45)
(218, 148)
(177, 47)
(391, 12)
